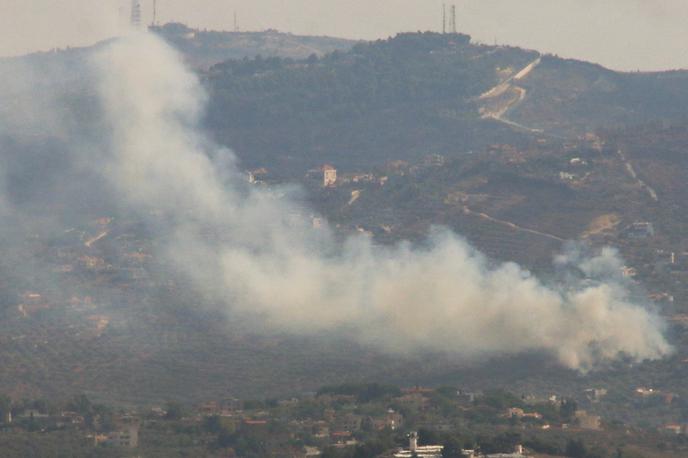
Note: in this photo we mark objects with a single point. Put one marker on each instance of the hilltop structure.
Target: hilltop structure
(135, 13)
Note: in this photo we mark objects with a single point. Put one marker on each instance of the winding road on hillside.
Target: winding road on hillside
(634, 175)
(507, 95)
(510, 225)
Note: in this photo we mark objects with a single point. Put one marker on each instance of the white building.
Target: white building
(519, 452)
(329, 175)
(421, 451)
(126, 438)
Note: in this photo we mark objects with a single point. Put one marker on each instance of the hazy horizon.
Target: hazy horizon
(597, 31)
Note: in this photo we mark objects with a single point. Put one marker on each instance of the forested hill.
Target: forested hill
(420, 93)
(400, 98)
(570, 97)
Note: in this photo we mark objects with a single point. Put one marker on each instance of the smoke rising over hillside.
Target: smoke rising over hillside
(253, 252)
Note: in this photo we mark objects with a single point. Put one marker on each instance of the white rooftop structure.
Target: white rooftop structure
(421, 451)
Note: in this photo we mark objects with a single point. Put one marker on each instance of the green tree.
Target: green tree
(212, 424)
(175, 411)
(428, 437)
(568, 409)
(502, 443)
(575, 448)
(5, 407)
(80, 404)
(452, 448)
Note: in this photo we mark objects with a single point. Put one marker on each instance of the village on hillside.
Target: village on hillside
(351, 420)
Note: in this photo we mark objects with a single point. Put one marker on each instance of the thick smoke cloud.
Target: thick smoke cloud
(254, 252)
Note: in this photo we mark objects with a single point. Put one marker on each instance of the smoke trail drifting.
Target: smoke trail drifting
(252, 252)
(268, 264)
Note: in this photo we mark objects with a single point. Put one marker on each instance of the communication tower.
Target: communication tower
(155, 13)
(136, 13)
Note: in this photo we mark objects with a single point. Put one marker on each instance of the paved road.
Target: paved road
(510, 225)
(632, 173)
(500, 111)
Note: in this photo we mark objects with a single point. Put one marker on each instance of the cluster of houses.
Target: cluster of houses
(336, 428)
(338, 420)
(326, 176)
(124, 432)
(125, 436)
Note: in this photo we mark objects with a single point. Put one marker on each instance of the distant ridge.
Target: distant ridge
(204, 48)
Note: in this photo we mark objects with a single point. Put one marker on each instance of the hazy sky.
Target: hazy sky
(622, 34)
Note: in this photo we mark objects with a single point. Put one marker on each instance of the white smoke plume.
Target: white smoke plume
(252, 251)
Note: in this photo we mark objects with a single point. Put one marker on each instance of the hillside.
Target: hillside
(502, 122)
(200, 49)
(424, 129)
(203, 49)
(570, 97)
(418, 94)
(401, 98)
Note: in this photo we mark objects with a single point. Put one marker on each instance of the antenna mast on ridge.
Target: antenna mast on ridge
(155, 13)
(444, 18)
(453, 18)
(135, 13)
